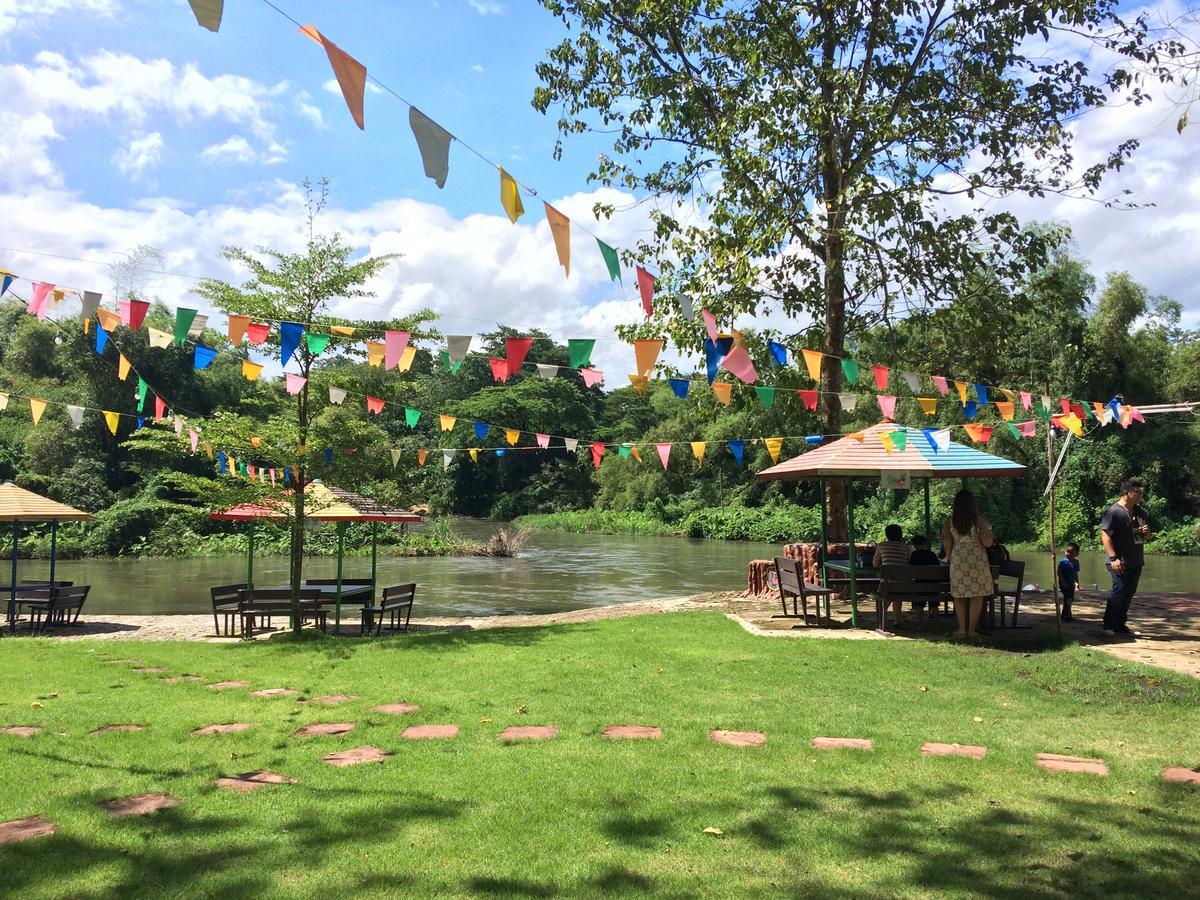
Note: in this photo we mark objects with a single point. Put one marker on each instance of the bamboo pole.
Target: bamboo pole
(1053, 546)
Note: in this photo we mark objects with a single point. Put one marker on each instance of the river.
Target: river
(554, 573)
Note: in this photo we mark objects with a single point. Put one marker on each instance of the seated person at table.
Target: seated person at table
(922, 556)
(892, 552)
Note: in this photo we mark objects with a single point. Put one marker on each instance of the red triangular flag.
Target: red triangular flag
(515, 350)
(597, 452)
(499, 369)
(646, 289)
(374, 405)
(881, 376)
(256, 332)
(160, 407)
(809, 398)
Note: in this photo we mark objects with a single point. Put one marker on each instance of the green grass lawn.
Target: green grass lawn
(581, 815)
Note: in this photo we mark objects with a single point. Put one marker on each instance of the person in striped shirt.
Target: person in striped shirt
(894, 551)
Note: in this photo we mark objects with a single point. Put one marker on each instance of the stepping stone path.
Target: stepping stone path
(20, 730)
(224, 729)
(152, 669)
(119, 662)
(356, 756)
(1180, 775)
(274, 692)
(324, 728)
(139, 804)
(529, 733)
(1055, 762)
(931, 748)
(23, 829)
(828, 743)
(428, 732)
(396, 709)
(252, 781)
(632, 732)
(108, 729)
(226, 685)
(738, 738)
(330, 699)
(183, 678)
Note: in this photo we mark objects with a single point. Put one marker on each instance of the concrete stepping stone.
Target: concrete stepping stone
(225, 728)
(828, 743)
(120, 662)
(139, 804)
(23, 829)
(179, 678)
(932, 748)
(632, 732)
(738, 738)
(109, 729)
(20, 730)
(330, 699)
(396, 709)
(1180, 775)
(355, 756)
(323, 728)
(1056, 762)
(429, 732)
(529, 733)
(157, 670)
(252, 781)
(226, 685)
(274, 692)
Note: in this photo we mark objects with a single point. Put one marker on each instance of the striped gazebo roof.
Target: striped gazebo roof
(848, 457)
(20, 505)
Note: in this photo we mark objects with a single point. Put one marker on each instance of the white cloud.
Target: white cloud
(142, 152)
(478, 69)
(16, 15)
(306, 108)
(238, 149)
(333, 87)
(488, 7)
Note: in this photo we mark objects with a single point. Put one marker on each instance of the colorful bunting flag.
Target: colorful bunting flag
(698, 448)
(316, 343)
(812, 361)
(774, 445)
(810, 399)
(980, 434)
(913, 380)
(499, 369)
(342, 330)
(597, 453)
(664, 453)
(113, 419)
(290, 334)
(543, 440)
(183, 323)
(336, 395)
(723, 391)
(571, 444)
(580, 351)
(510, 197)
(257, 333)
(159, 339)
(940, 383)
(375, 352)
(515, 351)
(640, 383)
(422, 455)
(194, 443)
(406, 358)
(446, 422)
(713, 354)
(981, 393)
(1013, 430)
(900, 439)
(680, 387)
(739, 363)
(374, 405)
(611, 261)
(76, 414)
(207, 13)
(294, 383)
(447, 455)
(89, 299)
(961, 387)
(888, 444)
(434, 143)
(395, 458)
(448, 366)
(411, 416)
(545, 371)
(203, 356)
(1026, 400)
(928, 405)
(939, 439)
(710, 324)
(3, 402)
(779, 355)
(646, 353)
(848, 401)
(109, 320)
(36, 408)
(160, 408)
(457, 347)
(624, 450)
(474, 451)
(123, 367)
(850, 371)
(512, 435)
(237, 328)
(646, 289)
(560, 230)
(1006, 408)
(350, 73)
(133, 312)
(887, 405)
(394, 343)
(481, 430)
(766, 395)
(880, 373)
(738, 449)
(970, 409)
(143, 391)
(591, 377)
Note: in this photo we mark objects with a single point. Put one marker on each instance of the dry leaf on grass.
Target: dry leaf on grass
(711, 830)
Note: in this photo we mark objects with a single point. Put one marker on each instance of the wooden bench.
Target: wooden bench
(930, 583)
(54, 606)
(264, 604)
(395, 599)
(225, 602)
(791, 581)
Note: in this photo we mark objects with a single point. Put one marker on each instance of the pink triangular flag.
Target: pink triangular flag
(374, 405)
(272, 478)
(664, 453)
(597, 452)
(1136, 414)
(1026, 400)
(939, 381)
(37, 302)
(1027, 429)
(499, 369)
(887, 405)
(738, 362)
(160, 407)
(194, 439)
(543, 440)
(646, 288)
(710, 324)
(394, 343)
(294, 383)
(591, 377)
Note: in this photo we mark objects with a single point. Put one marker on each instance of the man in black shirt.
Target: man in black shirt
(1123, 530)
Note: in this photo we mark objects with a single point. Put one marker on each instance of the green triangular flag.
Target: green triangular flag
(1040, 411)
(850, 370)
(610, 260)
(766, 395)
(452, 368)
(899, 439)
(316, 342)
(142, 391)
(1013, 430)
(411, 416)
(624, 450)
(581, 352)
(183, 324)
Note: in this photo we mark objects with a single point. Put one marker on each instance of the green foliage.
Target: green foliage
(598, 521)
(778, 525)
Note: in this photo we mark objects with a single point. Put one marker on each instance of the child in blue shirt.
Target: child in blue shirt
(1068, 578)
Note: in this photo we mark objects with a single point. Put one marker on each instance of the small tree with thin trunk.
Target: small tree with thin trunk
(296, 287)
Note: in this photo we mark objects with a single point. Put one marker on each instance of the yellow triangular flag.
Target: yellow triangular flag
(208, 450)
(723, 390)
(1007, 408)
(474, 451)
(774, 445)
(421, 455)
(510, 197)
(36, 408)
(112, 419)
(812, 359)
(857, 436)
(447, 422)
(1073, 422)
(375, 352)
(887, 441)
(698, 448)
(962, 390)
(159, 339)
(640, 383)
(251, 371)
(123, 367)
(928, 405)
(406, 359)
(341, 330)
(646, 352)
(512, 435)
(560, 230)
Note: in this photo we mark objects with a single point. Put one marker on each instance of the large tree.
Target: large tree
(840, 160)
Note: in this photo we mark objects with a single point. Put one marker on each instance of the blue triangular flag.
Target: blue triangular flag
(141, 422)
(778, 353)
(814, 438)
(8, 280)
(287, 475)
(329, 456)
(101, 339)
(981, 392)
(481, 431)
(737, 448)
(970, 408)
(929, 436)
(204, 356)
(712, 359)
(500, 452)
(1115, 405)
(222, 466)
(680, 387)
(290, 334)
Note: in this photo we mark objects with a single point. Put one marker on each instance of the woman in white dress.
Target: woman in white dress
(967, 535)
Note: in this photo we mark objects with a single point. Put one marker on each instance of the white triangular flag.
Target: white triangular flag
(571, 444)
(913, 380)
(848, 401)
(941, 440)
(457, 347)
(76, 414)
(160, 338)
(547, 371)
(1046, 401)
(178, 427)
(91, 302)
(3, 402)
(336, 395)
(447, 455)
(198, 325)
(685, 307)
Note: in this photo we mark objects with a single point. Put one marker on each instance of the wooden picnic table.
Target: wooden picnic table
(351, 593)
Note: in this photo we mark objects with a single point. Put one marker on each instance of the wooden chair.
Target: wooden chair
(791, 581)
(225, 602)
(909, 583)
(395, 599)
(61, 607)
(1010, 568)
(264, 604)
(346, 583)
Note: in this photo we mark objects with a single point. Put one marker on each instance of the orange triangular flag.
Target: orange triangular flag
(421, 455)
(560, 229)
(36, 408)
(447, 422)
(928, 405)
(350, 73)
(646, 353)
(237, 328)
(812, 359)
(109, 320)
(512, 435)
(723, 390)
(123, 367)
(1006, 408)
(375, 352)
(857, 436)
